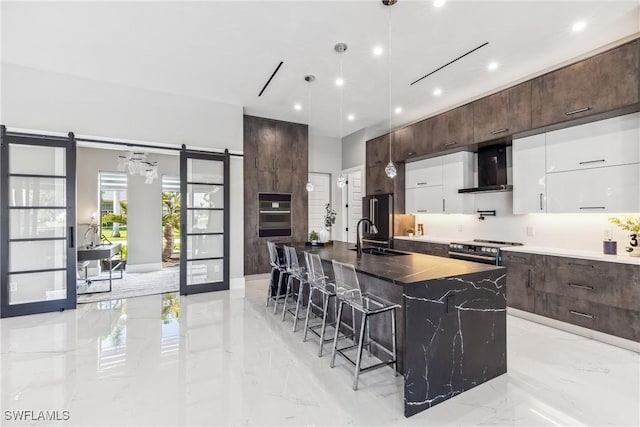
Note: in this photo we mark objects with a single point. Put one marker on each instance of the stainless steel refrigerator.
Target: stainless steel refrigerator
(379, 209)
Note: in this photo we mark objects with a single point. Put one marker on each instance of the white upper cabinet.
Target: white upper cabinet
(529, 177)
(431, 185)
(424, 173)
(457, 173)
(424, 200)
(614, 189)
(609, 142)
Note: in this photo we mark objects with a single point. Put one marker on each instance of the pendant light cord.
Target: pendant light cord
(389, 72)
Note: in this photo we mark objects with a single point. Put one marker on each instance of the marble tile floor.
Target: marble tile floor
(222, 359)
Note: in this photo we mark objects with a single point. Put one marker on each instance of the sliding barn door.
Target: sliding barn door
(37, 223)
(204, 233)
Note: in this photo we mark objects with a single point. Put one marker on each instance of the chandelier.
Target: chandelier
(136, 163)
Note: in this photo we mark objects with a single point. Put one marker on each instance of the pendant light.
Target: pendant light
(309, 78)
(390, 169)
(340, 48)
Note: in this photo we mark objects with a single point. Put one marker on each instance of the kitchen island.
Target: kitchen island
(451, 331)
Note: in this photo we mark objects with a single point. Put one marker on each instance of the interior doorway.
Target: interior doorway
(170, 221)
(352, 208)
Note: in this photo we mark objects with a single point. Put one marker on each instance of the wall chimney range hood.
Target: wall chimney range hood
(492, 170)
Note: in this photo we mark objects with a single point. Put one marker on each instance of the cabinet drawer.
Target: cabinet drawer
(609, 189)
(424, 173)
(604, 143)
(599, 317)
(438, 249)
(606, 283)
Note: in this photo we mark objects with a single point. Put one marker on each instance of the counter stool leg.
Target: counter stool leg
(295, 319)
(286, 296)
(393, 342)
(275, 303)
(306, 318)
(335, 337)
(353, 324)
(368, 331)
(270, 287)
(363, 326)
(325, 309)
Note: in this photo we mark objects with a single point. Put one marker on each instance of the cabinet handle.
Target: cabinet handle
(255, 163)
(443, 205)
(274, 163)
(574, 264)
(421, 210)
(531, 280)
(449, 144)
(541, 201)
(579, 110)
(495, 132)
(592, 207)
(422, 183)
(585, 287)
(592, 161)
(578, 313)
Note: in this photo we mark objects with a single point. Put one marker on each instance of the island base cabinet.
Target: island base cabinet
(455, 330)
(599, 317)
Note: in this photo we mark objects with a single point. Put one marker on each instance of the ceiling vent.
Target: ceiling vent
(270, 78)
(450, 62)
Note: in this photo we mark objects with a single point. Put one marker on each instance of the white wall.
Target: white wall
(51, 102)
(46, 101)
(353, 149)
(566, 231)
(325, 155)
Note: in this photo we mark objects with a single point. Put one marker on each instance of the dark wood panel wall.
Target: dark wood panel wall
(276, 160)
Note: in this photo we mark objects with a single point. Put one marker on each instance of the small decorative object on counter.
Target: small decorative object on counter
(329, 220)
(609, 247)
(631, 224)
(420, 230)
(313, 236)
(410, 231)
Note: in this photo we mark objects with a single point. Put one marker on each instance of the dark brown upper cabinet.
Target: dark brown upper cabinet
(265, 137)
(503, 113)
(452, 129)
(377, 181)
(605, 82)
(413, 140)
(378, 150)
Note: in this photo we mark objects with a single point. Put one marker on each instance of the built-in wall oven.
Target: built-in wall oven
(274, 215)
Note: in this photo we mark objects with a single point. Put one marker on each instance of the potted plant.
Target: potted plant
(631, 224)
(410, 231)
(329, 220)
(313, 236)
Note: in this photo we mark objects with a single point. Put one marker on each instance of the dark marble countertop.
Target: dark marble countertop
(402, 270)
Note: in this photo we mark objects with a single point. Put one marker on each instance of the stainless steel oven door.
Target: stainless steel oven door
(484, 259)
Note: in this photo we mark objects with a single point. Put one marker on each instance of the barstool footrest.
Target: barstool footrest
(368, 368)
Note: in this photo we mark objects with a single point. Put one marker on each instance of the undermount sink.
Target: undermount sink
(380, 252)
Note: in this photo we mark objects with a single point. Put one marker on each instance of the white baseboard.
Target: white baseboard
(143, 268)
(253, 277)
(236, 283)
(578, 330)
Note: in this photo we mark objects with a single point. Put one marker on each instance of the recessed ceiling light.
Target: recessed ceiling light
(439, 3)
(493, 65)
(437, 92)
(398, 110)
(351, 117)
(297, 107)
(377, 50)
(339, 81)
(579, 26)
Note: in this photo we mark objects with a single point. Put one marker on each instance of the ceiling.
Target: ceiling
(226, 51)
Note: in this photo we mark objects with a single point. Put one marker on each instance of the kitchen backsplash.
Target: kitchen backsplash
(567, 231)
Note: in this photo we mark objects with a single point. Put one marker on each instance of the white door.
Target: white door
(529, 177)
(354, 203)
(318, 199)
